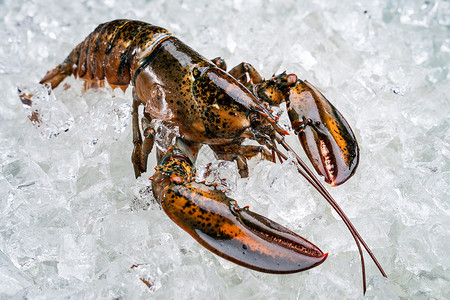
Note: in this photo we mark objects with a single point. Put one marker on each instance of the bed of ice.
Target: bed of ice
(73, 220)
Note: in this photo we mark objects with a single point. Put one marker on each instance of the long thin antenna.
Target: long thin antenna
(307, 173)
(337, 209)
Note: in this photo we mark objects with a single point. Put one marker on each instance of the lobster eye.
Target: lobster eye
(255, 119)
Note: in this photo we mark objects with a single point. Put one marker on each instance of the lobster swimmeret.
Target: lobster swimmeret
(179, 87)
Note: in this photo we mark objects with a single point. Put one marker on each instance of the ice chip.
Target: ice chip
(49, 116)
(443, 13)
(14, 283)
(420, 13)
(219, 172)
(166, 134)
(122, 117)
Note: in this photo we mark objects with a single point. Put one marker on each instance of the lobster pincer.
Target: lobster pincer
(220, 225)
(325, 135)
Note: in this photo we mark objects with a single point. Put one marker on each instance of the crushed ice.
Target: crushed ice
(74, 223)
(166, 134)
(49, 116)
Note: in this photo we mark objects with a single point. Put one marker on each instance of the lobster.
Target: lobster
(181, 88)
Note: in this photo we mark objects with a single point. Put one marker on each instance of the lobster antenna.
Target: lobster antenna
(321, 189)
(338, 210)
(332, 201)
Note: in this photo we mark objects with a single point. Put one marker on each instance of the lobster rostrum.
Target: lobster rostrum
(179, 87)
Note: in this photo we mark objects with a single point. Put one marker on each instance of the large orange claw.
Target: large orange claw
(236, 234)
(325, 135)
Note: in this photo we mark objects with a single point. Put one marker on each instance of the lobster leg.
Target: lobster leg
(250, 151)
(142, 148)
(240, 73)
(137, 138)
(149, 139)
(240, 153)
(220, 225)
(220, 63)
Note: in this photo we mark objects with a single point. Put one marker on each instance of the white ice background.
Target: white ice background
(74, 220)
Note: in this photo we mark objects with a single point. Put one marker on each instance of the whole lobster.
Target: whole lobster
(181, 88)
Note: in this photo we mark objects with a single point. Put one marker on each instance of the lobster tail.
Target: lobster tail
(113, 51)
(55, 76)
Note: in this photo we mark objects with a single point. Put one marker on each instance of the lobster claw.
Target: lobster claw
(239, 235)
(323, 132)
